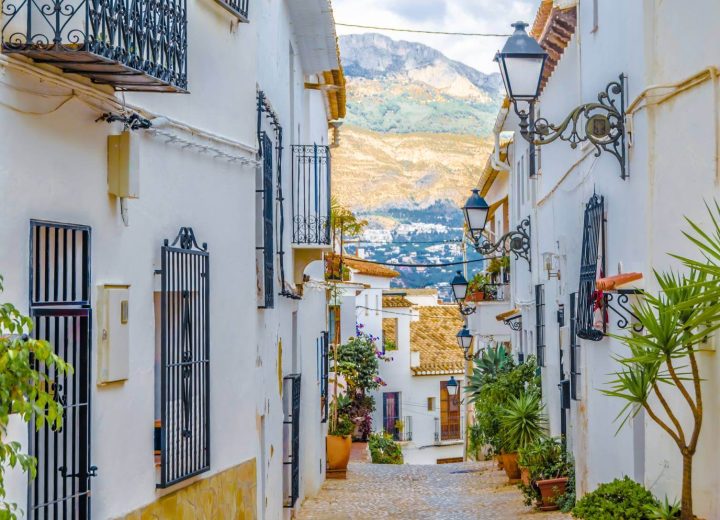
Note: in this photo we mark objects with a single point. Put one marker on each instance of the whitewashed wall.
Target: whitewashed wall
(673, 168)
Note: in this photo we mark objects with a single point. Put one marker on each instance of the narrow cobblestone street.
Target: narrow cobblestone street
(467, 491)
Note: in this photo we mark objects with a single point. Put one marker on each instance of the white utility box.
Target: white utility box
(113, 333)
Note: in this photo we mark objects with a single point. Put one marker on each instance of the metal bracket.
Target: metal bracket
(622, 309)
(516, 241)
(515, 323)
(601, 123)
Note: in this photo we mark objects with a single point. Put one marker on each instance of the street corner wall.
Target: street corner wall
(228, 494)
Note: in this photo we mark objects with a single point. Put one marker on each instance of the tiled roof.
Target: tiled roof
(429, 291)
(553, 28)
(433, 336)
(389, 326)
(395, 301)
(359, 266)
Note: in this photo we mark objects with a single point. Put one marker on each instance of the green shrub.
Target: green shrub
(343, 426)
(522, 420)
(617, 500)
(384, 450)
(546, 458)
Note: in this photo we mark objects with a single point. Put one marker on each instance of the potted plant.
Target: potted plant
(476, 287)
(522, 422)
(339, 439)
(548, 470)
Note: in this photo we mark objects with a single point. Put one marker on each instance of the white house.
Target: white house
(419, 339)
(612, 214)
(154, 188)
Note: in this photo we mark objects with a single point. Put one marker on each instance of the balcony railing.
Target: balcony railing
(129, 44)
(311, 194)
(239, 8)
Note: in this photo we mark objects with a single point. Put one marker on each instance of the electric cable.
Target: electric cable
(422, 31)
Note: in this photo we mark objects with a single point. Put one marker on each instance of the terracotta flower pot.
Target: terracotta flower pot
(510, 465)
(551, 490)
(525, 476)
(477, 296)
(338, 454)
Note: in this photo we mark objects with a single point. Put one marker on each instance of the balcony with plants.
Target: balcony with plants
(133, 46)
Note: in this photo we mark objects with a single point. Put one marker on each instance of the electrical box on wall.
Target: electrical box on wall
(123, 175)
(113, 333)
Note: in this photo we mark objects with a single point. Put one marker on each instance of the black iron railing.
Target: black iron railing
(292, 430)
(311, 194)
(592, 241)
(130, 44)
(405, 433)
(62, 315)
(184, 359)
(575, 372)
(237, 7)
(540, 324)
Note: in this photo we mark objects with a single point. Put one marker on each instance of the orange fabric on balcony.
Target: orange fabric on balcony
(610, 283)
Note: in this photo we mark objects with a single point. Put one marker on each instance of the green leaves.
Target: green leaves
(616, 500)
(28, 370)
(522, 420)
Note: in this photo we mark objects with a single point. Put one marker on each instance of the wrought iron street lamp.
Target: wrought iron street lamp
(517, 241)
(602, 123)
(465, 340)
(459, 287)
(452, 387)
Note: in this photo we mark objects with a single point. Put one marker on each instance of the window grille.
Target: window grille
(586, 299)
(239, 8)
(540, 324)
(291, 435)
(311, 194)
(59, 290)
(267, 280)
(324, 348)
(574, 351)
(184, 359)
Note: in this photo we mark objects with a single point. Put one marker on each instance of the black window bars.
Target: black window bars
(131, 45)
(540, 324)
(575, 352)
(239, 8)
(592, 236)
(311, 194)
(324, 365)
(59, 290)
(291, 433)
(185, 359)
(267, 258)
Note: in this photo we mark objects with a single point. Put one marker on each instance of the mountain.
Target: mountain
(417, 135)
(405, 87)
(376, 171)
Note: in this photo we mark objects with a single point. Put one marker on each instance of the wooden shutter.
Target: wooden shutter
(449, 414)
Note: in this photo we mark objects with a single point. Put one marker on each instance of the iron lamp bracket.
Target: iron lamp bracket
(601, 123)
(516, 241)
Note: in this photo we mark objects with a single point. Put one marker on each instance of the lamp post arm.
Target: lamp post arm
(602, 123)
(516, 241)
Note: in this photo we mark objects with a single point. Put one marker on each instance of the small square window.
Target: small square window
(431, 404)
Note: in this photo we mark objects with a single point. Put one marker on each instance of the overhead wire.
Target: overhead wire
(423, 31)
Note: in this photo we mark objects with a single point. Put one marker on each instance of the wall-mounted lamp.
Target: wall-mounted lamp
(602, 123)
(465, 341)
(476, 211)
(551, 264)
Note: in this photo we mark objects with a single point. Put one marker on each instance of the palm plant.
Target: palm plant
(677, 323)
(493, 361)
(523, 421)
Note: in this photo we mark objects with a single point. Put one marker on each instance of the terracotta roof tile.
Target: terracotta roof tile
(433, 336)
(553, 28)
(362, 267)
(397, 301)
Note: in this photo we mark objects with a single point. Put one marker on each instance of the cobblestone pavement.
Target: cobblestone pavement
(467, 491)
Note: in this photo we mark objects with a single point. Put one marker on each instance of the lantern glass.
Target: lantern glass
(459, 287)
(464, 339)
(452, 387)
(522, 61)
(476, 212)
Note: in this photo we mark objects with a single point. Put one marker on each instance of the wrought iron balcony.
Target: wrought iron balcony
(239, 8)
(311, 195)
(129, 44)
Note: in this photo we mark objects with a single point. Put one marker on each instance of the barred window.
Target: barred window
(184, 370)
(540, 324)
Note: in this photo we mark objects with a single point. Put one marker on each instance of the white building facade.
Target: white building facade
(167, 264)
(622, 214)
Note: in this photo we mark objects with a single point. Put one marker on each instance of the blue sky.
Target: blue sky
(443, 15)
